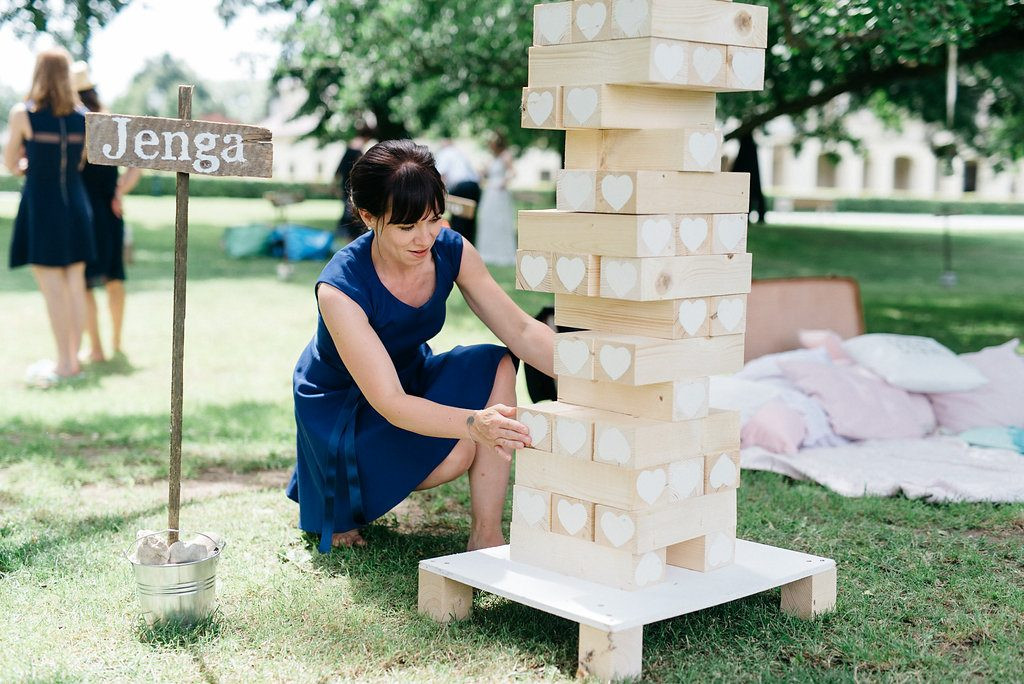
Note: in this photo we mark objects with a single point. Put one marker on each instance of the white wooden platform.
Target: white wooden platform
(611, 620)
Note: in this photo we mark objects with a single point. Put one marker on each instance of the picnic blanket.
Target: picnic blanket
(936, 469)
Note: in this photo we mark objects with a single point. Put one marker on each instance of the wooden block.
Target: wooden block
(683, 400)
(574, 191)
(577, 274)
(728, 314)
(696, 20)
(572, 517)
(635, 107)
(539, 418)
(810, 596)
(729, 234)
(625, 488)
(552, 22)
(654, 319)
(721, 471)
(636, 360)
(541, 107)
(585, 559)
(662, 526)
(746, 69)
(633, 61)
(573, 434)
(705, 553)
(531, 507)
(533, 271)
(721, 431)
(675, 277)
(665, 149)
(630, 442)
(611, 656)
(574, 355)
(590, 21)
(693, 234)
(443, 599)
(550, 230)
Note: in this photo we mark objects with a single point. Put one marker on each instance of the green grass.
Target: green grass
(927, 592)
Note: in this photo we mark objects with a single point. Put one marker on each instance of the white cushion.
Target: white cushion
(917, 364)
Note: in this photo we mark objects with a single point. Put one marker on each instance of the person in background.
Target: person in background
(462, 180)
(53, 229)
(496, 216)
(105, 190)
(348, 225)
(746, 161)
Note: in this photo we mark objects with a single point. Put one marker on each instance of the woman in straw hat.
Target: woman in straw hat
(105, 190)
(53, 229)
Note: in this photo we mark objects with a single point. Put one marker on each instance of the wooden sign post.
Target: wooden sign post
(184, 146)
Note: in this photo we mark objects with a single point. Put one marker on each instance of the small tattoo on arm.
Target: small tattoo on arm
(470, 420)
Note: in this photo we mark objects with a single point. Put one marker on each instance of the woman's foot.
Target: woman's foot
(347, 539)
(485, 540)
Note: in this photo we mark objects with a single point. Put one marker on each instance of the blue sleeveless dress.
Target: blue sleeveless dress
(54, 222)
(353, 466)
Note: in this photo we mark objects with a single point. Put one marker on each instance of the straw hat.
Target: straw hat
(80, 77)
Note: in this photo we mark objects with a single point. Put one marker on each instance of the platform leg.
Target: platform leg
(611, 655)
(444, 599)
(810, 596)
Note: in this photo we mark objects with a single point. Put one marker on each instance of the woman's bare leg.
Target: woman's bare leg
(74, 276)
(115, 299)
(53, 284)
(92, 327)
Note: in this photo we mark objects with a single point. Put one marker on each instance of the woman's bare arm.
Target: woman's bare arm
(18, 130)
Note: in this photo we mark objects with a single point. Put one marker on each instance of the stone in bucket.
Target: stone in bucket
(152, 550)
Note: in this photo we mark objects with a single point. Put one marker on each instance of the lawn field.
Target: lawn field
(926, 592)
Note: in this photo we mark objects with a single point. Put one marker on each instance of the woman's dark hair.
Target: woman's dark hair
(90, 99)
(397, 176)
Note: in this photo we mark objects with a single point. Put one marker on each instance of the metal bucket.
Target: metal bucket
(178, 591)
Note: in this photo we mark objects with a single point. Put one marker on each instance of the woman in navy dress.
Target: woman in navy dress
(378, 413)
(53, 229)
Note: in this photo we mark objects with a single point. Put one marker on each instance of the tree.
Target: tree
(154, 91)
(70, 22)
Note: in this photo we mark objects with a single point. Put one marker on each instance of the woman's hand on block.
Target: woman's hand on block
(496, 427)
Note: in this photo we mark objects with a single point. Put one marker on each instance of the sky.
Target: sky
(189, 30)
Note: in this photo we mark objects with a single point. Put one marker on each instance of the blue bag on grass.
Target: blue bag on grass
(297, 243)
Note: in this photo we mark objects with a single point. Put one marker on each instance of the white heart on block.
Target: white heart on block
(553, 21)
(669, 60)
(617, 190)
(686, 478)
(615, 360)
(723, 473)
(693, 232)
(573, 354)
(729, 230)
(571, 434)
(612, 446)
(590, 18)
(620, 276)
(649, 569)
(573, 516)
(536, 424)
(570, 271)
(577, 188)
(582, 103)
(706, 62)
(702, 147)
(533, 268)
(630, 15)
(730, 311)
(539, 106)
(719, 549)
(618, 529)
(531, 507)
(689, 398)
(650, 484)
(692, 314)
(656, 233)
(746, 64)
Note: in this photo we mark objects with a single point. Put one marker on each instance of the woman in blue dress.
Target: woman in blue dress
(53, 228)
(378, 413)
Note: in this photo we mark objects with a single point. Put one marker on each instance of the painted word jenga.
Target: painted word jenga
(646, 254)
(624, 510)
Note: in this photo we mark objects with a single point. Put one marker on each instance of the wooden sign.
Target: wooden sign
(185, 146)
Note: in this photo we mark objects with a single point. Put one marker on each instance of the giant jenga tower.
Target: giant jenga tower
(624, 510)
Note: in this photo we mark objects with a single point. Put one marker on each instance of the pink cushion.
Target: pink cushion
(828, 339)
(1000, 402)
(775, 427)
(861, 405)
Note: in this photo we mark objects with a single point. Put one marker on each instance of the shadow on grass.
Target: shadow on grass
(179, 633)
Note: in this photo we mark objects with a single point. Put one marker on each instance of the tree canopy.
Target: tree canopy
(154, 90)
